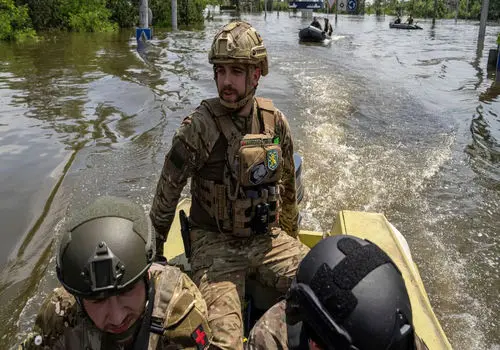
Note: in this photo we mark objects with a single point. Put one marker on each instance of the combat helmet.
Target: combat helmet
(350, 295)
(239, 43)
(106, 248)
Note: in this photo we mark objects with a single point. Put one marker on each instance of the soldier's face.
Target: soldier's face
(117, 313)
(232, 81)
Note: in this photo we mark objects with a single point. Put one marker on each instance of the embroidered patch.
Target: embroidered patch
(258, 173)
(272, 159)
(200, 337)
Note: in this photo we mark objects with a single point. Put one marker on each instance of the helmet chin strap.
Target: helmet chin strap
(238, 105)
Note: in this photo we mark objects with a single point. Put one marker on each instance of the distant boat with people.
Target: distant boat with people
(404, 26)
(313, 34)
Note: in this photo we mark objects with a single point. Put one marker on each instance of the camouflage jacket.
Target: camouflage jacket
(61, 323)
(199, 147)
(271, 332)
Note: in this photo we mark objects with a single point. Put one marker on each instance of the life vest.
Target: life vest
(246, 202)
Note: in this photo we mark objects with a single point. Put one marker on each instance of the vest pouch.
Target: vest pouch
(260, 160)
(242, 217)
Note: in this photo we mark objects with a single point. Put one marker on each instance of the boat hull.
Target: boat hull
(404, 26)
(372, 226)
(312, 34)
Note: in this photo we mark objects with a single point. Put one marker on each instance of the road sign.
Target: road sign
(351, 5)
(143, 34)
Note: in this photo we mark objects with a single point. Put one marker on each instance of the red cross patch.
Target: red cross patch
(200, 337)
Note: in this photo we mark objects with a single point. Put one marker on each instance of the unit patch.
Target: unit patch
(258, 173)
(272, 159)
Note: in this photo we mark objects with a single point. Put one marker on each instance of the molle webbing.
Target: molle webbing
(213, 199)
(232, 205)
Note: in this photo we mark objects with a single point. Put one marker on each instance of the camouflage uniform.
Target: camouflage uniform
(271, 331)
(244, 210)
(61, 323)
(220, 260)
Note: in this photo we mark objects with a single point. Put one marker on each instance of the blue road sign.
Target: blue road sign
(305, 4)
(351, 5)
(139, 32)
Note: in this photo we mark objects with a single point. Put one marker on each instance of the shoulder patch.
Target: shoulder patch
(200, 338)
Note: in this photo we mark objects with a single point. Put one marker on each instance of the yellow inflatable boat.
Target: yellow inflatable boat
(372, 226)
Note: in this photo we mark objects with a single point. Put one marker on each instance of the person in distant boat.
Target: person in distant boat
(347, 294)
(328, 27)
(315, 23)
(398, 20)
(409, 20)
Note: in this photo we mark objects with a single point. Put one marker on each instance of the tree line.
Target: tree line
(22, 19)
(467, 9)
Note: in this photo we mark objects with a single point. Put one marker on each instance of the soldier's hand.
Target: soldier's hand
(32, 341)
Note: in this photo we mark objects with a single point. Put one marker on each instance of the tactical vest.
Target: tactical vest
(246, 202)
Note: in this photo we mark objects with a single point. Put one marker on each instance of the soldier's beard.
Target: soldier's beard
(234, 97)
(241, 101)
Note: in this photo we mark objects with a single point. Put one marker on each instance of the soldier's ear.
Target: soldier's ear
(256, 73)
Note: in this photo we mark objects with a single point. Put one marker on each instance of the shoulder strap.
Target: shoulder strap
(167, 282)
(267, 110)
(214, 107)
(297, 339)
(226, 126)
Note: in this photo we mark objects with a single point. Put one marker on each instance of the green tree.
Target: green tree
(15, 23)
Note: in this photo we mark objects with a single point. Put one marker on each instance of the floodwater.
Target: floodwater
(401, 122)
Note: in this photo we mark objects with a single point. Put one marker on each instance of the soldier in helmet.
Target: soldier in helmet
(347, 295)
(113, 297)
(238, 151)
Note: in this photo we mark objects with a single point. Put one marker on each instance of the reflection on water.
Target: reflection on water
(381, 117)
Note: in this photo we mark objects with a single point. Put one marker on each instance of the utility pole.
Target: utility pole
(434, 13)
(336, 10)
(145, 17)
(174, 15)
(484, 18)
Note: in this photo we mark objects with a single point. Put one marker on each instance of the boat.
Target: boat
(312, 34)
(404, 26)
(371, 226)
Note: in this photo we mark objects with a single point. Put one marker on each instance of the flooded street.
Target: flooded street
(401, 122)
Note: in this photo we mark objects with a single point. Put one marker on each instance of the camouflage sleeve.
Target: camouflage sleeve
(270, 331)
(190, 149)
(187, 323)
(289, 210)
(58, 312)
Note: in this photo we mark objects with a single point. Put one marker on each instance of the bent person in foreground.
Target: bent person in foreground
(347, 295)
(113, 296)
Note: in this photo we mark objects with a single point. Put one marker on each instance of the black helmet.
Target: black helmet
(350, 295)
(106, 248)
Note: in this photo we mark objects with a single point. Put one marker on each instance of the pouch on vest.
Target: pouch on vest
(260, 160)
